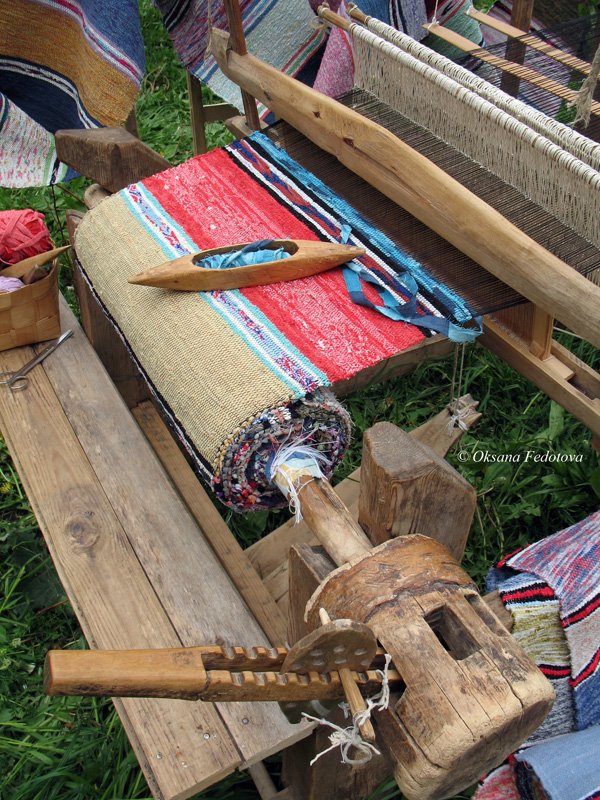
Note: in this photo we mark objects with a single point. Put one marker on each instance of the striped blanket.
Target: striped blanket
(240, 372)
(63, 64)
(552, 589)
(280, 32)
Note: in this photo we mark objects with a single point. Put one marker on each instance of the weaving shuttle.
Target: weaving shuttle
(306, 258)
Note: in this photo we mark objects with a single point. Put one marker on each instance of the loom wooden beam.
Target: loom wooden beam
(562, 375)
(424, 190)
(531, 40)
(512, 68)
(112, 157)
(520, 18)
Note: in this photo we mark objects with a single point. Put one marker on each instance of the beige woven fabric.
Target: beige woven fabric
(211, 380)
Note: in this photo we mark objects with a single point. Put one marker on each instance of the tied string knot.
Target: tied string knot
(349, 738)
(292, 462)
(456, 419)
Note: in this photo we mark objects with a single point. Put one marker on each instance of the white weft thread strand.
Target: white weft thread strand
(347, 738)
(292, 462)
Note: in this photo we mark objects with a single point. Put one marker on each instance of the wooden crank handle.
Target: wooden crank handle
(177, 672)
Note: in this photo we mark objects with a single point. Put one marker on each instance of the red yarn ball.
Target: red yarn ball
(23, 233)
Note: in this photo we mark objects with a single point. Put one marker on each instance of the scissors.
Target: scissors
(18, 380)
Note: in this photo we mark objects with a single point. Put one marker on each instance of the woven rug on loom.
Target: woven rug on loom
(240, 372)
(63, 64)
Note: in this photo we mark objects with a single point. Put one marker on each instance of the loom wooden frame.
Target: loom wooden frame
(68, 431)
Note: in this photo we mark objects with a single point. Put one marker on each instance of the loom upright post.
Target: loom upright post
(522, 12)
(238, 45)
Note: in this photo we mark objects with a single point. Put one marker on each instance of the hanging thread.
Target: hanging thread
(347, 738)
(583, 103)
(290, 464)
(456, 411)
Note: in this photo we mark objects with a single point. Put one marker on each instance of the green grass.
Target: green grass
(76, 747)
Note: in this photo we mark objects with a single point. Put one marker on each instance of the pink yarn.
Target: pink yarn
(23, 233)
(10, 284)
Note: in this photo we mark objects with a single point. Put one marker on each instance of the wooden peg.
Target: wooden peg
(353, 696)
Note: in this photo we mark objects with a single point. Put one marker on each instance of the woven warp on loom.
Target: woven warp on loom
(63, 64)
(240, 371)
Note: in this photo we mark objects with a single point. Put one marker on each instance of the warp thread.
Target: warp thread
(346, 738)
(23, 233)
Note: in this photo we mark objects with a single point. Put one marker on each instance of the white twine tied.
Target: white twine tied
(457, 413)
(348, 738)
(291, 463)
(583, 101)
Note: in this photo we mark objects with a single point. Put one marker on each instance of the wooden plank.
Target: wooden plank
(238, 44)
(406, 488)
(197, 120)
(195, 591)
(531, 40)
(223, 542)
(105, 340)
(110, 593)
(423, 189)
(111, 157)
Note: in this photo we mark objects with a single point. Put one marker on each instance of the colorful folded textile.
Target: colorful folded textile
(498, 785)
(280, 32)
(569, 563)
(537, 628)
(565, 768)
(241, 372)
(63, 64)
(552, 589)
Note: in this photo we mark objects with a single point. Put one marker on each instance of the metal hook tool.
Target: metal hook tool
(18, 380)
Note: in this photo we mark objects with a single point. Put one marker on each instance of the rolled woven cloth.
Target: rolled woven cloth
(240, 373)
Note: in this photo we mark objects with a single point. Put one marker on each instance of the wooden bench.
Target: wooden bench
(133, 561)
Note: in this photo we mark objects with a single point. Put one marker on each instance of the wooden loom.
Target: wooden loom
(419, 620)
(523, 336)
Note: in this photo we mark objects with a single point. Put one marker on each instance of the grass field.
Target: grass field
(75, 748)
